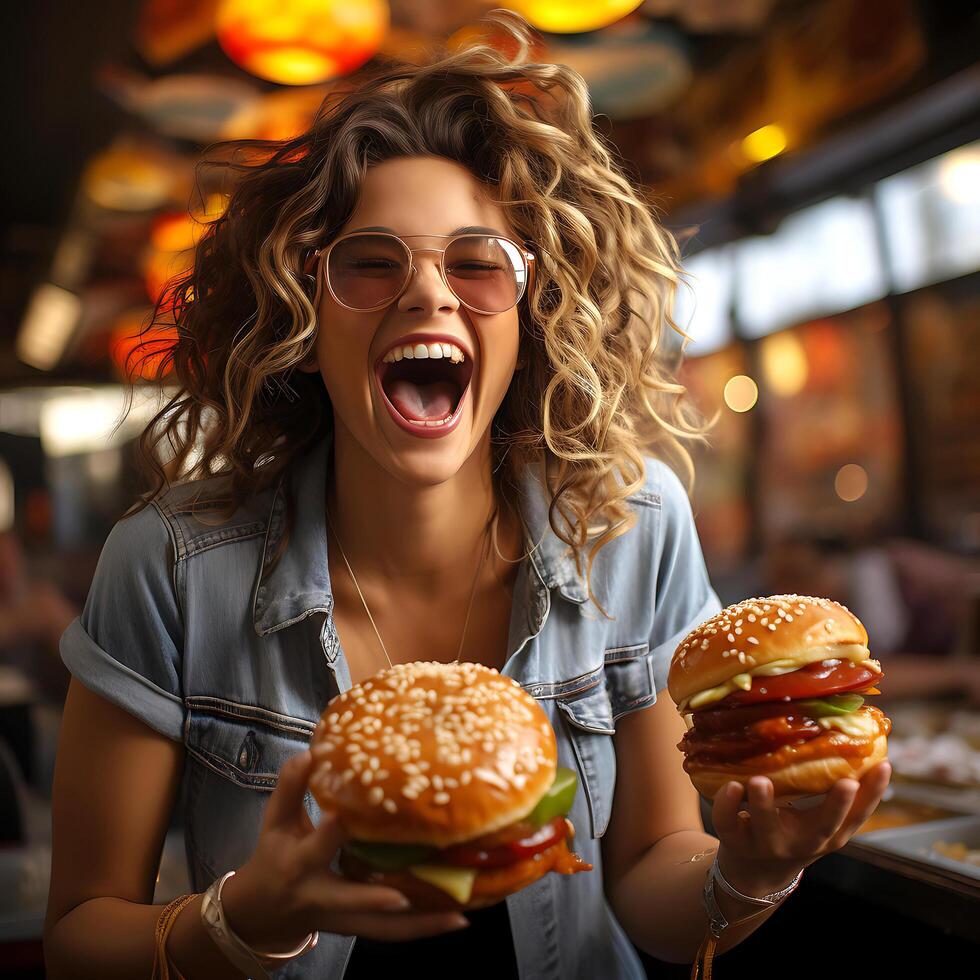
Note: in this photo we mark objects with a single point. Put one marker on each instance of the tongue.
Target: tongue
(423, 402)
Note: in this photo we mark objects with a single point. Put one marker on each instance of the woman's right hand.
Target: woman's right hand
(286, 890)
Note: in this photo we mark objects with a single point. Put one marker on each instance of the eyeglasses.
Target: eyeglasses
(369, 270)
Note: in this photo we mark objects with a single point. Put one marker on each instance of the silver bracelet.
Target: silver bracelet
(251, 961)
(717, 922)
(766, 900)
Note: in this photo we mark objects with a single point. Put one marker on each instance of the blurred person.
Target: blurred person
(33, 615)
(33, 679)
(223, 620)
(912, 597)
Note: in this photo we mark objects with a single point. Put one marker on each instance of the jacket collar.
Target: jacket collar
(298, 585)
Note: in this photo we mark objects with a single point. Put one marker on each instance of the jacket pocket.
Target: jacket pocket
(590, 727)
(629, 678)
(243, 743)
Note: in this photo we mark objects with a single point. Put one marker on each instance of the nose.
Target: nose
(427, 291)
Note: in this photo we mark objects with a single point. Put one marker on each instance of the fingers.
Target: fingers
(288, 795)
(763, 819)
(866, 800)
(397, 927)
(336, 893)
(826, 819)
(724, 814)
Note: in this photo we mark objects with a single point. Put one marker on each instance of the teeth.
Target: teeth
(436, 351)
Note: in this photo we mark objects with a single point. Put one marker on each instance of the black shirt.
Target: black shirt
(443, 956)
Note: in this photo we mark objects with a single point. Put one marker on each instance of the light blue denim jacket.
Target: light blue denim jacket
(188, 627)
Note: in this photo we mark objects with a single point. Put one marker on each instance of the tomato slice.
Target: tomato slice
(812, 681)
(500, 855)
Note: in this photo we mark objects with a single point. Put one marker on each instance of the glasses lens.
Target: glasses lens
(367, 270)
(486, 273)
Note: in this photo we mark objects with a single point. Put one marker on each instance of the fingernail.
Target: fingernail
(400, 904)
(460, 922)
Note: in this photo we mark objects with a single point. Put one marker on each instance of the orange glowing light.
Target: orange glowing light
(173, 239)
(301, 42)
(138, 353)
(573, 16)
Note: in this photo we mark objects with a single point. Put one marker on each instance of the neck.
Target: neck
(422, 541)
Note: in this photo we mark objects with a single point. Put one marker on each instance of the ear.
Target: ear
(309, 366)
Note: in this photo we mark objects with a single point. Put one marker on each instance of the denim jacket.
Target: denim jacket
(189, 627)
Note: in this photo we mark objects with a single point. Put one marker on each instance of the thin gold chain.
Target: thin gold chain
(469, 607)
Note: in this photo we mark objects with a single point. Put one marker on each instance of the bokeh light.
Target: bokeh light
(959, 175)
(784, 364)
(741, 393)
(139, 353)
(573, 16)
(128, 179)
(851, 482)
(301, 42)
(764, 143)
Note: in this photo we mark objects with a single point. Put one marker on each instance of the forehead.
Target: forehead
(424, 196)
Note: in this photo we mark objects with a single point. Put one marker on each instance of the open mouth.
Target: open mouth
(426, 389)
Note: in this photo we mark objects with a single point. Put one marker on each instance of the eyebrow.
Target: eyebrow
(465, 230)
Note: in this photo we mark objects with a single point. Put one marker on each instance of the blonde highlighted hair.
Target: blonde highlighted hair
(596, 393)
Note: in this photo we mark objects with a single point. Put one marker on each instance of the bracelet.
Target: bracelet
(771, 899)
(717, 923)
(250, 961)
(165, 923)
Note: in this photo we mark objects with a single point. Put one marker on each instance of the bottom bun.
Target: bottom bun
(801, 779)
(491, 885)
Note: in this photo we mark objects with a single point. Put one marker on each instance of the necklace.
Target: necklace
(486, 538)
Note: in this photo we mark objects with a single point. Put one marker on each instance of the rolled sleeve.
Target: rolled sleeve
(684, 594)
(126, 646)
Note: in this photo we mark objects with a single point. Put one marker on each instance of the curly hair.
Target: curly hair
(597, 391)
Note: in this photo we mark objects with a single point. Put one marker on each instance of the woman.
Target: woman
(222, 619)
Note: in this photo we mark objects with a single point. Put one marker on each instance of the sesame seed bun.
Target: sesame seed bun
(432, 753)
(756, 632)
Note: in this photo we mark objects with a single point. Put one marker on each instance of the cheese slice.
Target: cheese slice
(457, 882)
(840, 651)
(859, 724)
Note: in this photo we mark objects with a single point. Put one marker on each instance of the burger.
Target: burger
(777, 686)
(445, 784)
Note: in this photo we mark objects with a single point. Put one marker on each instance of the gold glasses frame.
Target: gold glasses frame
(323, 255)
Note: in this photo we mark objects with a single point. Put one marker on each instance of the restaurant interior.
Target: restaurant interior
(818, 161)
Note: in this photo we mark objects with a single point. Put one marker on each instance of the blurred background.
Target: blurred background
(820, 161)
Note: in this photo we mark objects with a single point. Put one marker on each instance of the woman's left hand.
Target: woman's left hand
(762, 850)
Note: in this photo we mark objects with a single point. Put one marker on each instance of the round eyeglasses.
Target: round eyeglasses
(368, 270)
